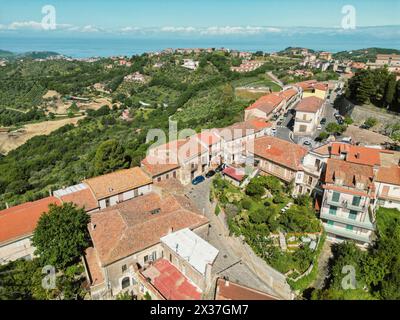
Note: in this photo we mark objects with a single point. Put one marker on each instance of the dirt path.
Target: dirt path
(12, 140)
(322, 266)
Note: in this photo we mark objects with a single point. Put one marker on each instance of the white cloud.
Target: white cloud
(237, 30)
(178, 29)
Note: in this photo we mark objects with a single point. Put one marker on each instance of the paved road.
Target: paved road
(227, 264)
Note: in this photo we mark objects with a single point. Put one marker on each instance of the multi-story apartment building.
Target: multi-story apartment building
(309, 113)
(349, 201)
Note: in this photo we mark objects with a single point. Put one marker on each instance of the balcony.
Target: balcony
(347, 233)
(361, 224)
(350, 206)
(345, 204)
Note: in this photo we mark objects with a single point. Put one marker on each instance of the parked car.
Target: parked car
(220, 167)
(347, 139)
(323, 121)
(319, 127)
(307, 143)
(210, 174)
(198, 180)
(340, 121)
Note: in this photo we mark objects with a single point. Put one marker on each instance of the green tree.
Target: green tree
(110, 156)
(390, 90)
(61, 235)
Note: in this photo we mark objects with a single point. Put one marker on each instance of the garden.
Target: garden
(283, 230)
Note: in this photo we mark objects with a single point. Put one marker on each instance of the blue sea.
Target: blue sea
(81, 47)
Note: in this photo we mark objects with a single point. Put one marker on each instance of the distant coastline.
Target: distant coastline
(84, 47)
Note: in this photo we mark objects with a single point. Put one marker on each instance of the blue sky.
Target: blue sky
(202, 13)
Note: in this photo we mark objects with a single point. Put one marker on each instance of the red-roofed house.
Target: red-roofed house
(387, 185)
(182, 159)
(16, 228)
(128, 235)
(313, 88)
(279, 158)
(273, 103)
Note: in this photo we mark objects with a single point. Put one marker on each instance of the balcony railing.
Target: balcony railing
(345, 204)
(361, 224)
(347, 233)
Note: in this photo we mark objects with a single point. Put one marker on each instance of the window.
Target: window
(317, 163)
(310, 181)
(167, 176)
(126, 282)
(353, 215)
(356, 201)
(107, 202)
(158, 179)
(330, 222)
(335, 196)
(332, 210)
(124, 268)
(174, 174)
(348, 227)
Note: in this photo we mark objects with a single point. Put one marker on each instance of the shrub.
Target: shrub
(246, 204)
(217, 210)
(370, 122)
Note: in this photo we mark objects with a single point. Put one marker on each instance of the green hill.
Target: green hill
(364, 55)
(6, 54)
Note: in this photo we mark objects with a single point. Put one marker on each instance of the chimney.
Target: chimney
(227, 283)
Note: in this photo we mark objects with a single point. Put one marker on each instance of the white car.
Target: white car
(319, 127)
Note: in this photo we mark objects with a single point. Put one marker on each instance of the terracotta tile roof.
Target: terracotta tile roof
(209, 137)
(82, 199)
(20, 221)
(178, 151)
(227, 290)
(93, 266)
(117, 182)
(280, 151)
(136, 224)
(357, 154)
(153, 166)
(323, 150)
(309, 84)
(350, 173)
(170, 282)
(234, 173)
(310, 104)
(267, 103)
(390, 175)
(312, 84)
(288, 94)
(243, 129)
